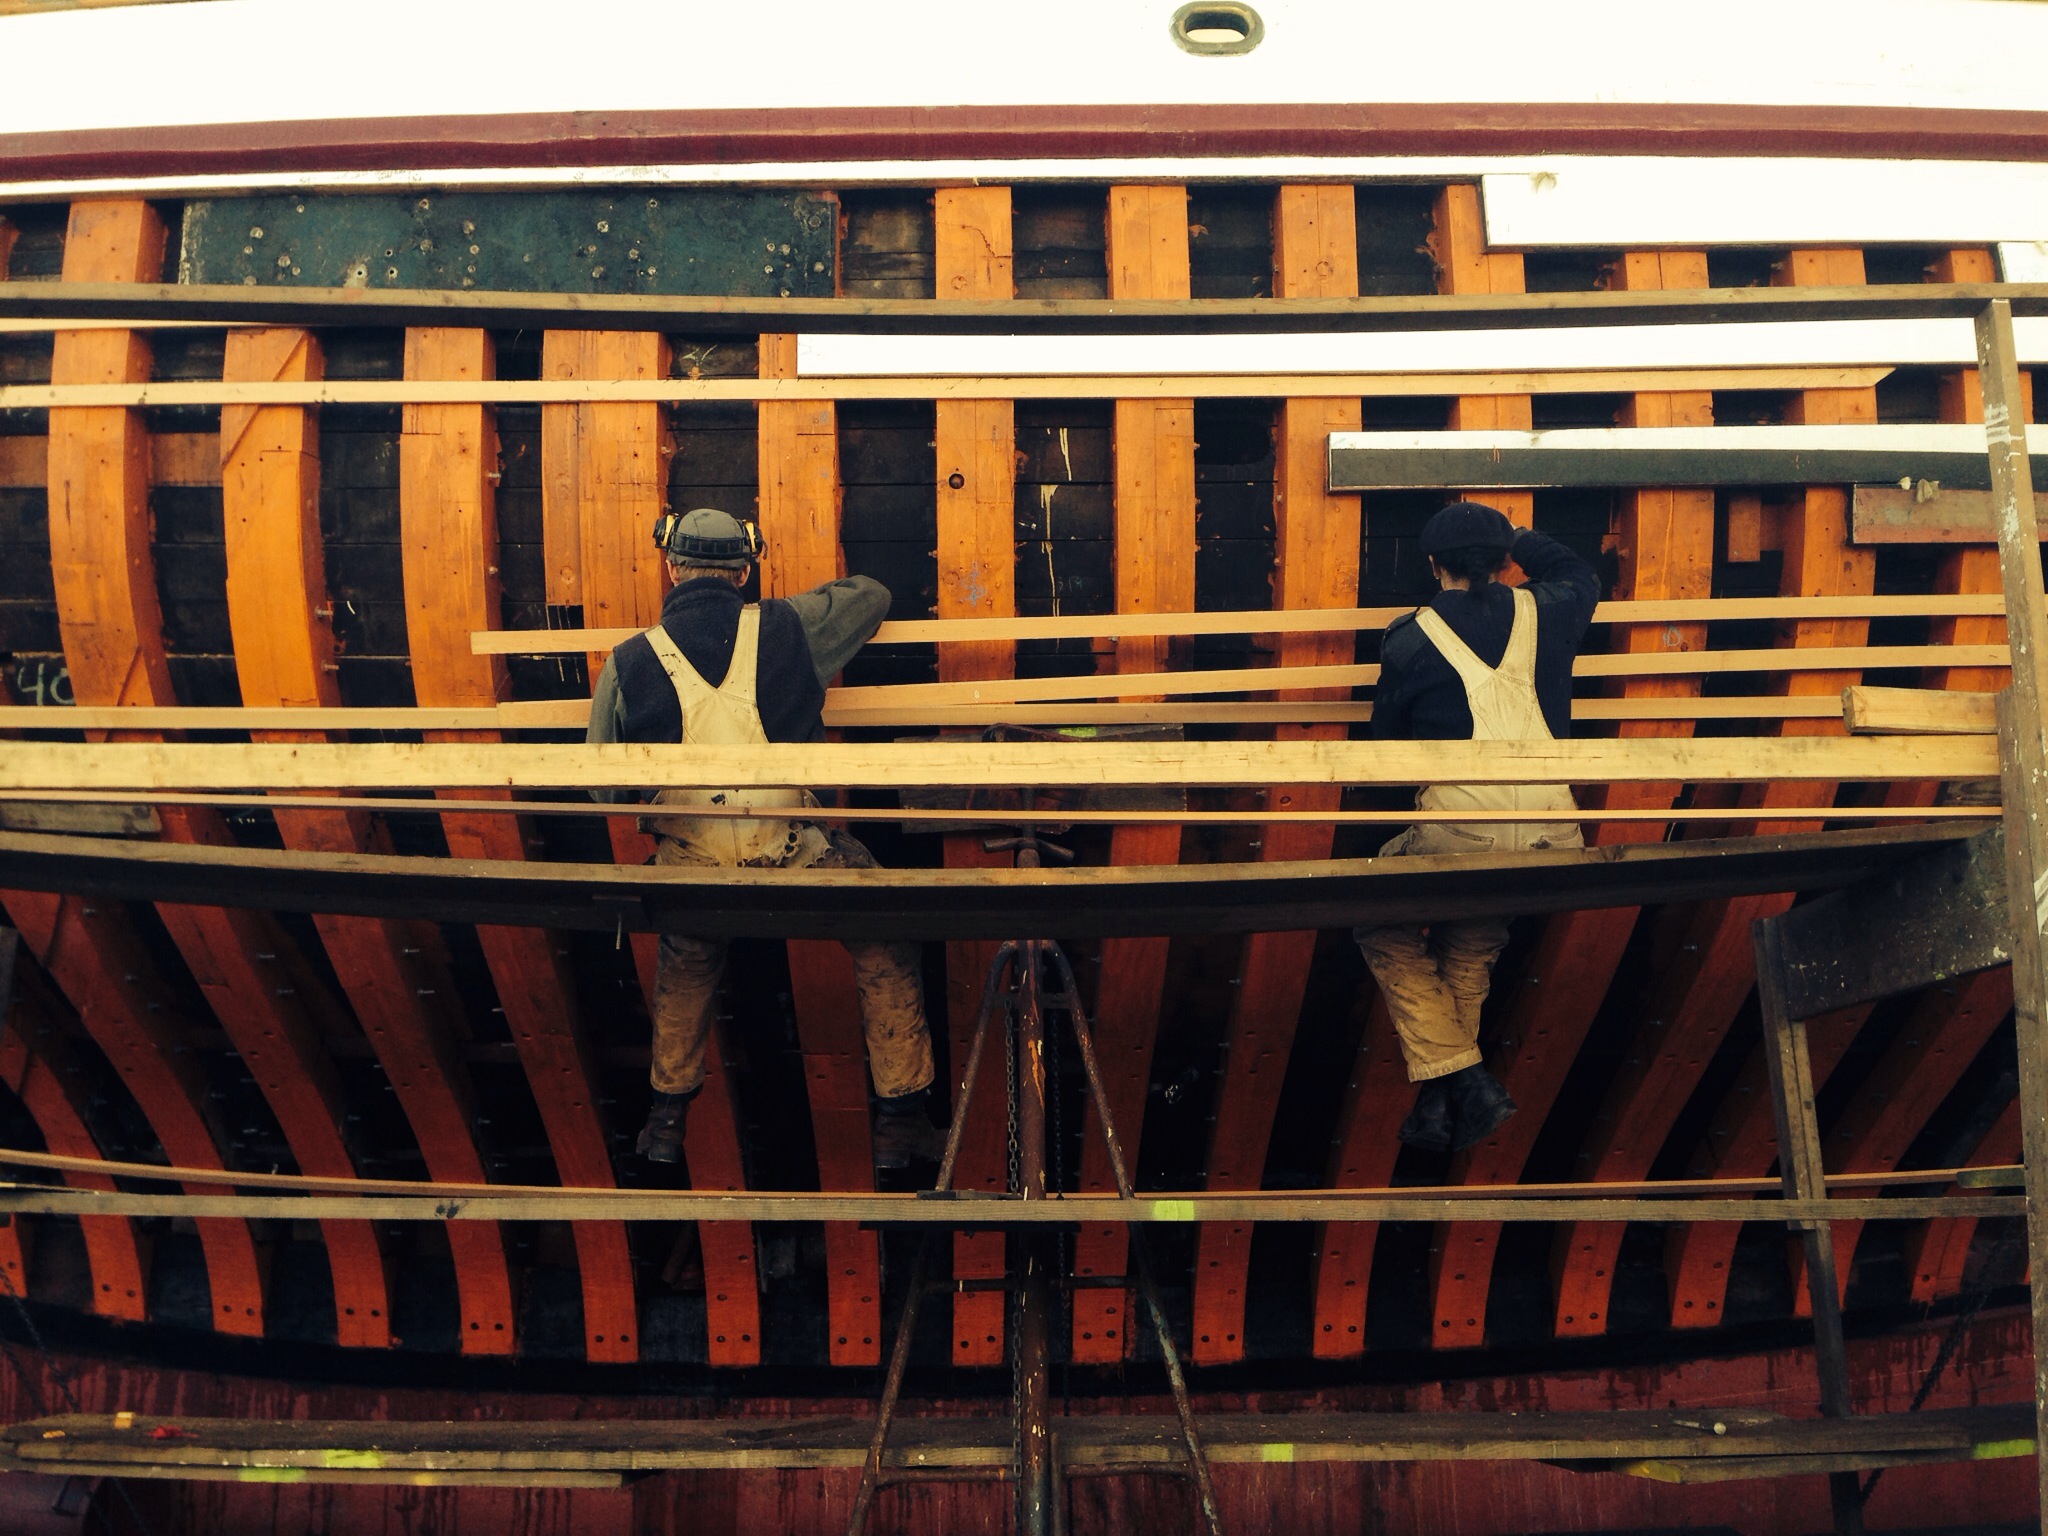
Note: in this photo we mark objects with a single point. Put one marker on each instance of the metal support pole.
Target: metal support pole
(2023, 762)
(1799, 1166)
(1031, 1250)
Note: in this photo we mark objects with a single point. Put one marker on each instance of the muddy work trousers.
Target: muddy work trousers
(1435, 979)
(887, 975)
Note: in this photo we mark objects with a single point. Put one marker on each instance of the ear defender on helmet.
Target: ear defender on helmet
(707, 536)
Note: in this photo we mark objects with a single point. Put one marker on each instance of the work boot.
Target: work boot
(661, 1138)
(904, 1133)
(1428, 1126)
(1479, 1106)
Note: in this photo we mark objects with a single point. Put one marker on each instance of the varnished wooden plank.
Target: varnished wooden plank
(40, 1069)
(798, 454)
(277, 599)
(107, 613)
(1153, 443)
(975, 447)
(606, 535)
(601, 451)
(1917, 711)
(448, 527)
(1316, 556)
(1457, 245)
(1667, 552)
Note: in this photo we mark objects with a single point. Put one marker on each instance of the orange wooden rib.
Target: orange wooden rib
(1315, 255)
(1699, 993)
(1701, 1257)
(276, 592)
(1154, 446)
(41, 1069)
(1933, 1049)
(799, 515)
(112, 629)
(448, 523)
(1938, 1253)
(604, 479)
(975, 443)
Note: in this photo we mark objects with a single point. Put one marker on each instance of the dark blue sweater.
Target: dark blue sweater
(1420, 697)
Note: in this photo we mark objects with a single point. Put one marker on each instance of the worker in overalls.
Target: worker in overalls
(1482, 662)
(714, 671)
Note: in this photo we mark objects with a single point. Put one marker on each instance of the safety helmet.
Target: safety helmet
(707, 536)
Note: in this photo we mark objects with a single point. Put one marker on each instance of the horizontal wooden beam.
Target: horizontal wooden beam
(1635, 457)
(1976, 1177)
(923, 387)
(112, 813)
(990, 1210)
(1896, 514)
(1918, 712)
(966, 903)
(574, 714)
(143, 766)
(129, 1445)
(714, 316)
(1264, 621)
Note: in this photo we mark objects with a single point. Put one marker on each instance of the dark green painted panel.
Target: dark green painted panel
(761, 244)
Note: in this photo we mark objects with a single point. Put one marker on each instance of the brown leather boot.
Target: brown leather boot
(661, 1138)
(904, 1133)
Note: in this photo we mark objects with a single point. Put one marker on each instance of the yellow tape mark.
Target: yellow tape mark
(1998, 1450)
(270, 1474)
(1277, 1451)
(360, 1460)
(1173, 1210)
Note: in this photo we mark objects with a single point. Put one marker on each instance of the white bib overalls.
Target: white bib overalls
(1435, 980)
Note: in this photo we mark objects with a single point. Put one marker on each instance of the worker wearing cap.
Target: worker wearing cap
(718, 670)
(1482, 662)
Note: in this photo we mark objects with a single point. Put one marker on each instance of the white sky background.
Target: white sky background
(280, 60)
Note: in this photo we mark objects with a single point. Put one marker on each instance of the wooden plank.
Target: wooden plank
(1264, 621)
(602, 524)
(141, 766)
(277, 607)
(1316, 565)
(40, 1068)
(1789, 1068)
(997, 1210)
(542, 1448)
(970, 903)
(603, 453)
(1666, 553)
(798, 454)
(107, 614)
(448, 528)
(1890, 514)
(1457, 245)
(559, 714)
(1792, 454)
(722, 316)
(975, 447)
(623, 383)
(1153, 443)
(1917, 711)
(2023, 757)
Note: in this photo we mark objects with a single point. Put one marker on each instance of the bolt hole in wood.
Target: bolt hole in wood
(1218, 28)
